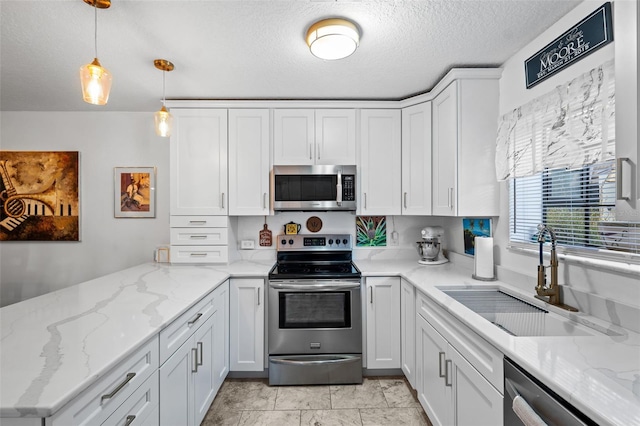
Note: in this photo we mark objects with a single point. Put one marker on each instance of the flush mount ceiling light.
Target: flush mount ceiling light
(162, 118)
(333, 38)
(95, 80)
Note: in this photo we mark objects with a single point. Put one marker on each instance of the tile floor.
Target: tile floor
(377, 401)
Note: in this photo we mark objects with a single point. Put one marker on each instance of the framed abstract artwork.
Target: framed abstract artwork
(39, 196)
(135, 192)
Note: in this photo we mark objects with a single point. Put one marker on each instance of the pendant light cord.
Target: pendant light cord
(95, 35)
(163, 88)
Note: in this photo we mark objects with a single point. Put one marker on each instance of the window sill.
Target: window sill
(624, 265)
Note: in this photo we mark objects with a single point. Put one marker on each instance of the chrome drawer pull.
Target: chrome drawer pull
(447, 364)
(194, 352)
(440, 359)
(130, 420)
(199, 350)
(193, 321)
(120, 386)
(197, 237)
(198, 222)
(198, 254)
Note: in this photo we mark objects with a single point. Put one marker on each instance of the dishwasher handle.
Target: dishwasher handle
(521, 407)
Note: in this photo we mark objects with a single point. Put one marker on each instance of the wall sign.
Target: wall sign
(586, 37)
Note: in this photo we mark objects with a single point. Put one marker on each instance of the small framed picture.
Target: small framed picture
(135, 192)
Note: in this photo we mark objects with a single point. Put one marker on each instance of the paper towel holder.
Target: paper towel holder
(475, 276)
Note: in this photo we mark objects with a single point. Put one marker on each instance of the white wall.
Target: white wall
(104, 140)
(621, 287)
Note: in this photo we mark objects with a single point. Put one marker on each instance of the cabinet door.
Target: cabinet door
(176, 400)
(198, 162)
(379, 172)
(293, 136)
(416, 160)
(476, 402)
(249, 160)
(383, 322)
(335, 136)
(433, 393)
(445, 145)
(246, 324)
(221, 334)
(204, 376)
(408, 330)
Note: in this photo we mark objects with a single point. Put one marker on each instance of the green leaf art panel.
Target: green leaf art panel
(371, 231)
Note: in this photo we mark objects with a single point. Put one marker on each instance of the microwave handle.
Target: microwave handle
(339, 189)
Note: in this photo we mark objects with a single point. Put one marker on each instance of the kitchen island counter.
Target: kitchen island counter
(56, 345)
(599, 375)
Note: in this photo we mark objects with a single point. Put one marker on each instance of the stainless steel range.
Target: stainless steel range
(315, 313)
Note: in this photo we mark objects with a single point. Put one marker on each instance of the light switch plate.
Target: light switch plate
(247, 245)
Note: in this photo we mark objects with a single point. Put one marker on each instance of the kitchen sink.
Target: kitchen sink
(515, 316)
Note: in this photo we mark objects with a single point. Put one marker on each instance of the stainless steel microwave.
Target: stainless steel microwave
(309, 188)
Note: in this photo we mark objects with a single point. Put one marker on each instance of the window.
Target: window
(558, 153)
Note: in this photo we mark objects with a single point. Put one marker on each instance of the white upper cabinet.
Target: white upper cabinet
(307, 136)
(249, 162)
(335, 136)
(198, 162)
(465, 117)
(379, 167)
(416, 160)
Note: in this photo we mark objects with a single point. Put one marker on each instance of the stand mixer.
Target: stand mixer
(429, 247)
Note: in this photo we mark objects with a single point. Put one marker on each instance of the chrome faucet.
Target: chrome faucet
(553, 290)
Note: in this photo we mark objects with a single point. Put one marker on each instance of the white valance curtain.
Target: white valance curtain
(568, 128)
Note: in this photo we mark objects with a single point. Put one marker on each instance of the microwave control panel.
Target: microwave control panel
(348, 188)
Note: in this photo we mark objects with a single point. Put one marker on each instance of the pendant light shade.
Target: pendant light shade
(94, 78)
(96, 83)
(164, 122)
(332, 39)
(163, 119)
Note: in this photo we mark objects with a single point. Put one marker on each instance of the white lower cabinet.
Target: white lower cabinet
(247, 312)
(141, 408)
(193, 374)
(450, 389)
(408, 331)
(130, 384)
(383, 322)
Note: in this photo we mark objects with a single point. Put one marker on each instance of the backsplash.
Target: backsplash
(407, 228)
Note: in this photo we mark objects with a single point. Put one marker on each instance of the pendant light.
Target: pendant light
(95, 80)
(162, 118)
(333, 38)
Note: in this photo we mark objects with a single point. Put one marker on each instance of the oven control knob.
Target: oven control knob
(284, 242)
(345, 241)
(291, 242)
(330, 241)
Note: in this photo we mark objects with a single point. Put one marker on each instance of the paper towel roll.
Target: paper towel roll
(483, 259)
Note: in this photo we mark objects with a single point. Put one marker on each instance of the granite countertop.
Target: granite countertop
(54, 346)
(599, 375)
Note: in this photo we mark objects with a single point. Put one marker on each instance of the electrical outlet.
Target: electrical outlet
(247, 245)
(395, 239)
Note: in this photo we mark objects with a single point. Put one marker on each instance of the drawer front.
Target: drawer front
(142, 407)
(199, 254)
(478, 352)
(94, 405)
(198, 221)
(197, 237)
(179, 331)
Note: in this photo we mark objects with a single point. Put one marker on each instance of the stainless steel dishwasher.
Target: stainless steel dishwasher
(529, 402)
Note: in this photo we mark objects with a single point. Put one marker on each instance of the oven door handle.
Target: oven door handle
(338, 360)
(311, 287)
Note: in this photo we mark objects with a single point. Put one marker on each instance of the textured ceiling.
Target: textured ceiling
(251, 49)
